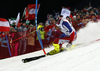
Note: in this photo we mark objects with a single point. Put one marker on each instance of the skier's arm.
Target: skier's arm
(48, 28)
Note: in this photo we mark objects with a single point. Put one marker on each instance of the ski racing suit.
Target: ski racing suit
(69, 35)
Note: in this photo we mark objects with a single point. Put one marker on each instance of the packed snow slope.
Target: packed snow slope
(85, 57)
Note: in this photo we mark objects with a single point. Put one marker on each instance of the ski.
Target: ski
(32, 58)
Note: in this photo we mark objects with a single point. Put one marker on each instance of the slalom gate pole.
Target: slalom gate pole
(40, 41)
(8, 45)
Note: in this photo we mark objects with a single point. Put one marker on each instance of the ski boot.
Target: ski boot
(56, 49)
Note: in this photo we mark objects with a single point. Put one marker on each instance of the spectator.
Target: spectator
(15, 44)
(74, 18)
(41, 23)
(23, 41)
(78, 18)
(42, 32)
(4, 40)
(30, 38)
(93, 17)
(87, 15)
(91, 12)
(52, 21)
(42, 35)
(0, 37)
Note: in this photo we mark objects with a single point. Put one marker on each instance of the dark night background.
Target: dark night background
(10, 8)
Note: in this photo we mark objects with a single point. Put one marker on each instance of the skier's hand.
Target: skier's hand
(68, 45)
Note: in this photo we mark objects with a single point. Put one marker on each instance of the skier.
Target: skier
(69, 35)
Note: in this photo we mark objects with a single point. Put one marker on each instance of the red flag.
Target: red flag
(30, 11)
(4, 25)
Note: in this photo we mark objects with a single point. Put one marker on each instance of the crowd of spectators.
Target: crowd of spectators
(24, 39)
(79, 17)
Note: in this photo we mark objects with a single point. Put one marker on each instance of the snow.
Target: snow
(89, 33)
(85, 57)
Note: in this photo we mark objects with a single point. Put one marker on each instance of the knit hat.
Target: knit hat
(74, 16)
(30, 26)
